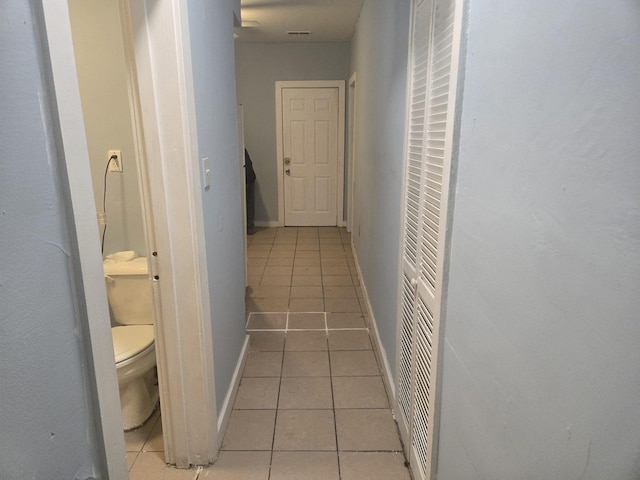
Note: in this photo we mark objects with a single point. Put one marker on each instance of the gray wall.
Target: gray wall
(46, 416)
(258, 67)
(97, 41)
(379, 58)
(211, 29)
(541, 361)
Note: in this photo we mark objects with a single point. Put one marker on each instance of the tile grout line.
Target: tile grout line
(275, 420)
(333, 403)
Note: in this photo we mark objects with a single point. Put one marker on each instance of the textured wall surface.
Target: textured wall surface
(211, 28)
(541, 361)
(46, 422)
(97, 37)
(379, 58)
(258, 67)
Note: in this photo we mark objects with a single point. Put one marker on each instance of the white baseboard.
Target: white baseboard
(379, 350)
(223, 419)
(267, 223)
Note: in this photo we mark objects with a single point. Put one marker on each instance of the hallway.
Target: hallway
(311, 402)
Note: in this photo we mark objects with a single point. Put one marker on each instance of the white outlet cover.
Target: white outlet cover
(115, 165)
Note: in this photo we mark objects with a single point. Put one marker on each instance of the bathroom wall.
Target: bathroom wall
(46, 413)
(541, 359)
(379, 58)
(211, 30)
(258, 67)
(97, 38)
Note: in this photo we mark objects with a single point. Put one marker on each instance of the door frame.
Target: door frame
(164, 103)
(339, 84)
(351, 151)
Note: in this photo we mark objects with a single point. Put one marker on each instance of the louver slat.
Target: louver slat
(406, 344)
(417, 119)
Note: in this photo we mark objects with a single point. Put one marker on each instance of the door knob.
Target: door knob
(288, 171)
(287, 161)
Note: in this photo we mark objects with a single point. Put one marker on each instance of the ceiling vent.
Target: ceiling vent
(298, 33)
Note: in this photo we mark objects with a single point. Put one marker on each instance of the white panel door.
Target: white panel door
(310, 151)
(435, 46)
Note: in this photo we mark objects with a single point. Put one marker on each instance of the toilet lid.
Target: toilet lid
(130, 340)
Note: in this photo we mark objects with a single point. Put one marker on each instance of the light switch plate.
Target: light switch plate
(206, 181)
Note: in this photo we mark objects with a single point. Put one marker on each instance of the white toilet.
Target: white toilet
(129, 294)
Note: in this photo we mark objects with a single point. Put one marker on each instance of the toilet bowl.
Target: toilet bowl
(129, 294)
(135, 355)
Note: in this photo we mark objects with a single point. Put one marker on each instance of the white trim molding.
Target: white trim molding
(106, 405)
(183, 333)
(378, 348)
(339, 84)
(351, 150)
(229, 399)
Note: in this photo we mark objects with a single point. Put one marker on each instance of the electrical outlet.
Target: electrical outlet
(115, 165)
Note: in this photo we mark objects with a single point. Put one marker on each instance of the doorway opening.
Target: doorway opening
(122, 206)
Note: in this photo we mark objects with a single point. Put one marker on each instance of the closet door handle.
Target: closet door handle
(288, 171)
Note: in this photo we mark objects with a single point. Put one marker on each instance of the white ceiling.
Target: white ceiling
(328, 20)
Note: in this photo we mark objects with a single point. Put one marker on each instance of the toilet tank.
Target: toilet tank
(128, 288)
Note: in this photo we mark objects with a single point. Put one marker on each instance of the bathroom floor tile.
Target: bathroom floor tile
(342, 305)
(263, 364)
(288, 254)
(266, 341)
(306, 262)
(275, 281)
(151, 466)
(265, 305)
(306, 341)
(359, 392)
(353, 363)
(298, 393)
(270, 292)
(306, 281)
(337, 281)
(307, 246)
(334, 270)
(135, 439)
(267, 321)
(232, 465)
(331, 247)
(279, 261)
(346, 320)
(306, 305)
(300, 270)
(306, 321)
(249, 430)
(373, 466)
(305, 466)
(257, 393)
(343, 291)
(131, 458)
(349, 340)
(283, 247)
(334, 261)
(305, 430)
(278, 270)
(305, 364)
(306, 292)
(155, 442)
(367, 430)
(307, 254)
(336, 254)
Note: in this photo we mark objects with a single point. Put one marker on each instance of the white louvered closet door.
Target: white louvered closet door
(435, 46)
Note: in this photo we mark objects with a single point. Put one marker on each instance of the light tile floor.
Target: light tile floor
(311, 403)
